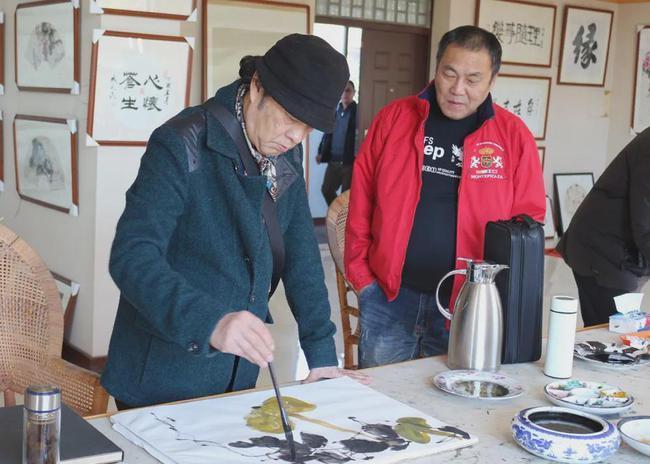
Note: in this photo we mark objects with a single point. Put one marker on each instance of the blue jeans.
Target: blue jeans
(406, 328)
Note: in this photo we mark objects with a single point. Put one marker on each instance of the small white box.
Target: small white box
(628, 322)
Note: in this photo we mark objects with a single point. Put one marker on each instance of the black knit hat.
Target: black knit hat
(306, 76)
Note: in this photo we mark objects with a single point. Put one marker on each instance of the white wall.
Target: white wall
(65, 243)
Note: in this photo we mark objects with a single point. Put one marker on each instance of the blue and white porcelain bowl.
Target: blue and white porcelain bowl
(565, 435)
(635, 431)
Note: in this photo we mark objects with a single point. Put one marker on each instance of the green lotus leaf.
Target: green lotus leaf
(266, 421)
(417, 421)
(411, 432)
(291, 405)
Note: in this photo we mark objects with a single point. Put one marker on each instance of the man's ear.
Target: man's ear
(256, 90)
(493, 81)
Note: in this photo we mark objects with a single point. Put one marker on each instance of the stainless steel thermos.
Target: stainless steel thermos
(476, 331)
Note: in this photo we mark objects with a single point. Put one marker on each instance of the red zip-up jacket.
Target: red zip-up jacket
(501, 177)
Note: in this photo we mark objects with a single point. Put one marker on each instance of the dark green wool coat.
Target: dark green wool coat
(191, 247)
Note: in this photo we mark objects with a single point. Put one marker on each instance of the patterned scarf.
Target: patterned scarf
(266, 164)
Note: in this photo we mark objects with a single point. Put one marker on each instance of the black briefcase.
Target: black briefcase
(519, 243)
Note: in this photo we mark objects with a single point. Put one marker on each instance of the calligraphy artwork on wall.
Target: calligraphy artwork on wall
(524, 29)
(45, 155)
(138, 81)
(2, 53)
(585, 46)
(163, 9)
(527, 97)
(47, 46)
(328, 428)
(641, 108)
(68, 291)
(570, 190)
(235, 28)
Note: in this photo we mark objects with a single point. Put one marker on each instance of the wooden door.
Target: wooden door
(394, 64)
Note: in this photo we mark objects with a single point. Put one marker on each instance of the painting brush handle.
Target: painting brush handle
(283, 416)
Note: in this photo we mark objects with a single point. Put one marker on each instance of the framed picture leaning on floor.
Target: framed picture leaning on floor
(570, 190)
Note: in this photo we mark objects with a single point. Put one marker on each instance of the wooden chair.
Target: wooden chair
(31, 332)
(337, 215)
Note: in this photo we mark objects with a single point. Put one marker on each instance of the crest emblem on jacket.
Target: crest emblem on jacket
(487, 161)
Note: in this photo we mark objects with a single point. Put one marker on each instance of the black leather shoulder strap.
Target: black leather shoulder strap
(269, 213)
(190, 128)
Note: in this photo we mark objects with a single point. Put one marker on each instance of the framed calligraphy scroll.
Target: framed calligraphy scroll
(641, 108)
(47, 46)
(45, 154)
(527, 97)
(163, 9)
(233, 29)
(585, 46)
(524, 29)
(138, 81)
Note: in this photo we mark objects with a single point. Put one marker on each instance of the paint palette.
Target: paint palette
(592, 397)
(478, 384)
(611, 354)
(638, 340)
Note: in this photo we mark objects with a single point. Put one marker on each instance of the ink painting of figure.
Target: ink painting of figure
(47, 46)
(46, 161)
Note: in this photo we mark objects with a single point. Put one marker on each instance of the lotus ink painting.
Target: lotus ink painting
(334, 422)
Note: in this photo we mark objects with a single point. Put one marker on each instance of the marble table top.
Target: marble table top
(411, 382)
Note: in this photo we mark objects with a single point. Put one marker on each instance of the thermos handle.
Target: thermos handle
(445, 311)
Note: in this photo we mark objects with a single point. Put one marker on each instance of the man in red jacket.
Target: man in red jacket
(432, 171)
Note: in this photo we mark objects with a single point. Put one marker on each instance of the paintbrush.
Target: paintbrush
(285, 422)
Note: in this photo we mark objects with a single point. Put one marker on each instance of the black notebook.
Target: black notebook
(81, 443)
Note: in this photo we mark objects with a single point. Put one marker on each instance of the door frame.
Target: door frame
(383, 27)
(380, 26)
(377, 26)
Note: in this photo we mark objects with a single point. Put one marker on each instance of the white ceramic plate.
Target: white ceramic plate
(592, 397)
(478, 384)
(635, 431)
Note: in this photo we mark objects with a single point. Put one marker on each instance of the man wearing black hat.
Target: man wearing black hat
(217, 213)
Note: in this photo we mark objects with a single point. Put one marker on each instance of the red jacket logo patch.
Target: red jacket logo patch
(487, 161)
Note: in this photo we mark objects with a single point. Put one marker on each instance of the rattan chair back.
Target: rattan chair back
(31, 331)
(337, 215)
